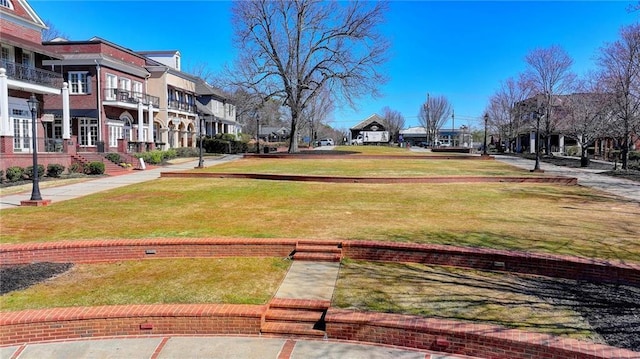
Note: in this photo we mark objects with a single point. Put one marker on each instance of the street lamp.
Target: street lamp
(200, 160)
(486, 122)
(258, 133)
(33, 107)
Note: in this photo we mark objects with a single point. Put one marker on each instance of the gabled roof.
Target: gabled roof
(204, 89)
(368, 121)
(22, 11)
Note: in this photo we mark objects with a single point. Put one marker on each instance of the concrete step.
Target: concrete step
(292, 329)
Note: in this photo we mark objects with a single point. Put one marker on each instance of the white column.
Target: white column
(150, 133)
(561, 140)
(66, 118)
(5, 126)
(140, 121)
(532, 142)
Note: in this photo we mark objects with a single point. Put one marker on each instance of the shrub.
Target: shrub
(220, 145)
(157, 156)
(94, 168)
(75, 168)
(573, 150)
(113, 157)
(54, 170)
(14, 173)
(28, 171)
(634, 156)
(187, 152)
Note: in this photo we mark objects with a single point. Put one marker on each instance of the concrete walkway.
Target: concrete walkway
(587, 177)
(66, 192)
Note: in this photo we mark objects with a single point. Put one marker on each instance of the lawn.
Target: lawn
(367, 167)
(531, 217)
(196, 280)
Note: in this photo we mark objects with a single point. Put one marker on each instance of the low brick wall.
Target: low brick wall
(129, 320)
(479, 340)
(129, 249)
(353, 179)
(558, 266)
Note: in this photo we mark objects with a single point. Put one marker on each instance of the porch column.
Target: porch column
(150, 114)
(5, 126)
(561, 143)
(532, 142)
(66, 118)
(140, 121)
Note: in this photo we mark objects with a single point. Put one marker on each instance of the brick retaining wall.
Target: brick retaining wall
(128, 249)
(479, 340)
(126, 320)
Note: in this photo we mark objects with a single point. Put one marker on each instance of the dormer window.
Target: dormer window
(6, 3)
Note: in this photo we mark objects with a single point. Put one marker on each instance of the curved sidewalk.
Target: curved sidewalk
(586, 177)
(71, 191)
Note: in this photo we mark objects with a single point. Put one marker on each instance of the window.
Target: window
(112, 87)
(79, 83)
(27, 59)
(125, 84)
(116, 130)
(6, 3)
(21, 134)
(88, 131)
(137, 89)
(7, 54)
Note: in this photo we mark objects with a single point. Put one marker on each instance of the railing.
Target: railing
(111, 94)
(182, 106)
(32, 75)
(50, 144)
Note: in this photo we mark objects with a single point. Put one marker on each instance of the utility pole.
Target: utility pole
(453, 127)
(428, 123)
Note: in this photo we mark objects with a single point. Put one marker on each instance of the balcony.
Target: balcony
(32, 75)
(111, 94)
(182, 106)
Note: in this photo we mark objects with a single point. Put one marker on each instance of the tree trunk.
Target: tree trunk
(584, 158)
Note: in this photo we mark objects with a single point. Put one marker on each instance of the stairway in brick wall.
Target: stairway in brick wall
(330, 251)
(296, 317)
(110, 168)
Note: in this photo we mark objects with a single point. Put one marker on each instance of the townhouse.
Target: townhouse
(23, 75)
(111, 109)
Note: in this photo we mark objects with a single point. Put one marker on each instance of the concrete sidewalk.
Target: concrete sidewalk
(66, 192)
(621, 187)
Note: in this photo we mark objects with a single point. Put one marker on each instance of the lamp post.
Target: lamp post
(536, 167)
(257, 133)
(33, 107)
(200, 160)
(486, 122)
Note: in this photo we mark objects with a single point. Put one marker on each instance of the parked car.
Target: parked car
(326, 142)
(357, 141)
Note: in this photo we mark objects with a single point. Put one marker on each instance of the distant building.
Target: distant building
(371, 130)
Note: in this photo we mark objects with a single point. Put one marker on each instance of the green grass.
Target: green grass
(159, 281)
(531, 217)
(455, 293)
(363, 167)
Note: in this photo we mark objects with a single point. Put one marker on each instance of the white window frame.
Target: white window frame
(137, 89)
(88, 131)
(6, 53)
(7, 4)
(125, 84)
(29, 57)
(116, 131)
(112, 87)
(79, 83)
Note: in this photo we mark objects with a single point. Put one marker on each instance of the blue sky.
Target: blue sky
(458, 49)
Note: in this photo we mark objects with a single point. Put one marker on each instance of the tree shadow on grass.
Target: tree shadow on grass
(552, 305)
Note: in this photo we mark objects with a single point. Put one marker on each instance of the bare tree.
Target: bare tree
(315, 115)
(620, 64)
(292, 49)
(51, 32)
(586, 116)
(394, 121)
(549, 72)
(433, 114)
(503, 112)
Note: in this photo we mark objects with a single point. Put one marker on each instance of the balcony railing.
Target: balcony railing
(111, 94)
(32, 75)
(182, 106)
